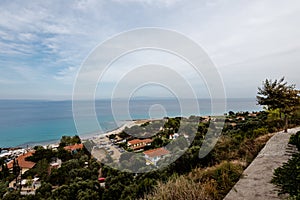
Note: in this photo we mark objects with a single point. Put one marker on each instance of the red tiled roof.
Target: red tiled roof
(73, 147)
(156, 152)
(137, 141)
(22, 162)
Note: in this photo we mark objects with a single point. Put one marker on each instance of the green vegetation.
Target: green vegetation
(295, 140)
(279, 95)
(244, 134)
(188, 177)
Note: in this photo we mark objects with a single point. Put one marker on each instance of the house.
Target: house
(240, 118)
(74, 148)
(101, 180)
(154, 155)
(205, 119)
(233, 124)
(23, 164)
(173, 136)
(54, 164)
(252, 114)
(29, 186)
(137, 144)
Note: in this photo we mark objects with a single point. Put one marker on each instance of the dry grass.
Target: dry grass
(200, 184)
(212, 182)
(181, 188)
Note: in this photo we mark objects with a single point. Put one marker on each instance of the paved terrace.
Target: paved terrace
(255, 182)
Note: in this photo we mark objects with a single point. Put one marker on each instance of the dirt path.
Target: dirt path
(255, 183)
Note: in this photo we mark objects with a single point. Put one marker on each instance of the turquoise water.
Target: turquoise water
(25, 122)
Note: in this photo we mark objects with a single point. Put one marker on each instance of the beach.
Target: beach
(100, 139)
(105, 146)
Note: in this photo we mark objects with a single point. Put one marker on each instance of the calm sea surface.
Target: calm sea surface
(31, 122)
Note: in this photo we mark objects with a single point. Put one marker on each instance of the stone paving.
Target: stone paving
(255, 181)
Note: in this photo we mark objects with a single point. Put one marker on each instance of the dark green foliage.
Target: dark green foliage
(45, 190)
(40, 169)
(278, 94)
(41, 153)
(112, 136)
(295, 140)
(79, 190)
(124, 134)
(157, 142)
(12, 196)
(3, 189)
(75, 180)
(68, 140)
(287, 177)
(4, 173)
(63, 154)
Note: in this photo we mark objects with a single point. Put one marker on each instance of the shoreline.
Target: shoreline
(128, 123)
(83, 137)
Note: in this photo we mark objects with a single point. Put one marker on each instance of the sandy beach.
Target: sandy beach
(128, 124)
(105, 146)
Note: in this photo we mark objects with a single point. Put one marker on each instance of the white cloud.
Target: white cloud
(46, 38)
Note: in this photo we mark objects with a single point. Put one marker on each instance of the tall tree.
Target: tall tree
(279, 95)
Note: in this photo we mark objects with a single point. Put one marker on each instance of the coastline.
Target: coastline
(84, 137)
(42, 122)
(128, 124)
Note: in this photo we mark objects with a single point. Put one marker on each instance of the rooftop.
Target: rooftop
(137, 141)
(22, 162)
(156, 152)
(73, 147)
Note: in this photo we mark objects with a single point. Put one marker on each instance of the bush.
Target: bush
(287, 177)
(295, 140)
(259, 132)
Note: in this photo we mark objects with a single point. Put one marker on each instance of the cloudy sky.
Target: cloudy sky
(44, 43)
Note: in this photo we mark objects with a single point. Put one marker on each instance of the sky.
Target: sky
(43, 44)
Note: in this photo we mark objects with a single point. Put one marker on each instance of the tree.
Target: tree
(279, 95)
(3, 188)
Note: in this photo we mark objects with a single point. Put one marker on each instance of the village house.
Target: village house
(54, 164)
(154, 155)
(137, 144)
(240, 118)
(252, 115)
(23, 164)
(29, 187)
(74, 148)
(173, 136)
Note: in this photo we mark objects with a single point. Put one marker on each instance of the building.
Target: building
(29, 187)
(74, 148)
(21, 161)
(154, 155)
(252, 114)
(240, 118)
(54, 164)
(139, 144)
(173, 136)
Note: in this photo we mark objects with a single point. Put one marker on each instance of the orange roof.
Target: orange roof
(22, 162)
(73, 147)
(137, 141)
(156, 152)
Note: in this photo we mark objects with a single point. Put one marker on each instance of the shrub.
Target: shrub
(287, 177)
(295, 140)
(259, 132)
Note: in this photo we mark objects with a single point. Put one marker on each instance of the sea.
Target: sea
(37, 122)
